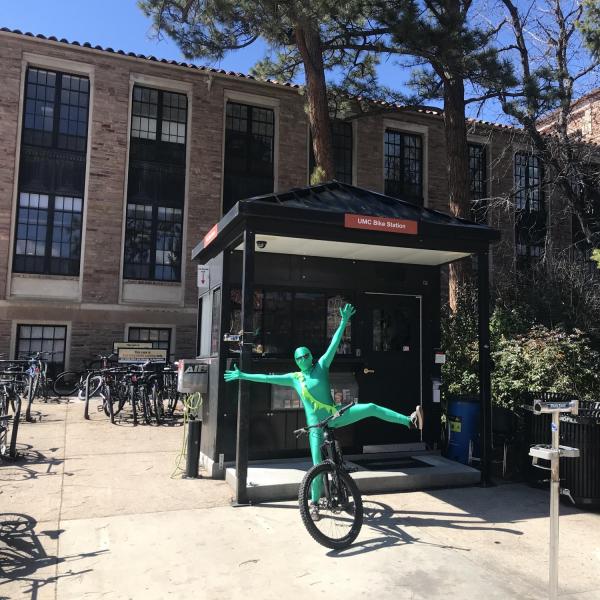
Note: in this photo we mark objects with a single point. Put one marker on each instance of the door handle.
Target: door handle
(368, 371)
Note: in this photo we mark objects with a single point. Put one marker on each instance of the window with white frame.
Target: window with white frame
(530, 210)
(478, 181)
(48, 339)
(156, 185)
(342, 141)
(403, 165)
(51, 173)
(248, 169)
(160, 337)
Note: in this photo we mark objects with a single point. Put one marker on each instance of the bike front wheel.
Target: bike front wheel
(340, 509)
(67, 383)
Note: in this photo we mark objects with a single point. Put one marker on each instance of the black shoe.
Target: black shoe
(314, 512)
(416, 418)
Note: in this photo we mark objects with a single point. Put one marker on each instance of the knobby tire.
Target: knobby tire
(305, 503)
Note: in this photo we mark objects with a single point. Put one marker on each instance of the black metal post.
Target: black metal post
(86, 407)
(243, 419)
(12, 451)
(485, 395)
(193, 448)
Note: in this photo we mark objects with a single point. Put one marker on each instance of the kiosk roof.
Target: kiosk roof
(344, 221)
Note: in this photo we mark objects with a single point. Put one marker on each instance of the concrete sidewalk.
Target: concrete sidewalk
(91, 512)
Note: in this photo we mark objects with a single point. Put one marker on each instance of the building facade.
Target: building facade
(114, 165)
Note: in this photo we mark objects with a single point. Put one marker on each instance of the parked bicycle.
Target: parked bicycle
(336, 520)
(39, 384)
(150, 392)
(12, 383)
(71, 383)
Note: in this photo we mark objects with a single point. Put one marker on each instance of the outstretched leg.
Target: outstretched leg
(362, 411)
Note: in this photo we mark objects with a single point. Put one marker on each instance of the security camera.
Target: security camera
(261, 244)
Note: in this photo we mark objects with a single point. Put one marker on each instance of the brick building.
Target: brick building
(114, 165)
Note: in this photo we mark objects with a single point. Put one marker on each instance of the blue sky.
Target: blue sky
(120, 24)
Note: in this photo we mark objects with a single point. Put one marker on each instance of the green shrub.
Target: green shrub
(525, 356)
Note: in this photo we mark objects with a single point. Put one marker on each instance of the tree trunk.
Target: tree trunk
(309, 45)
(457, 169)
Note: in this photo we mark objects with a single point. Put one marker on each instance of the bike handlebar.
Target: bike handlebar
(321, 424)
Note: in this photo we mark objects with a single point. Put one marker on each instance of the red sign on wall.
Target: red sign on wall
(387, 224)
(211, 235)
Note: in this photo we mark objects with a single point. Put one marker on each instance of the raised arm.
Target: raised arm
(327, 358)
(285, 379)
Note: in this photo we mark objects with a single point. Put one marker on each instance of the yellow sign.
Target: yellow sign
(142, 355)
(455, 424)
(117, 345)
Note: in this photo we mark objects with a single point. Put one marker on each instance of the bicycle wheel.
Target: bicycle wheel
(340, 507)
(4, 418)
(107, 401)
(95, 385)
(145, 402)
(157, 402)
(67, 383)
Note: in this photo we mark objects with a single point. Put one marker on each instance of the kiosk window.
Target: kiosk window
(334, 303)
(310, 331)
(283, 398)
(391, 330)
(344, 388)
(216, 321)
(277, 322)
(235, 324)
(284, 320)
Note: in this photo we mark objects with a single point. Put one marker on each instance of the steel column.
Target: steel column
(243, 417)
(485, 396)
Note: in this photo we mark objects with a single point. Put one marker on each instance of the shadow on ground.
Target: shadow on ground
(22, 555)
(29, 464)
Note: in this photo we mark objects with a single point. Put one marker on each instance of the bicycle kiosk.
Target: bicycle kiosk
(272, 276)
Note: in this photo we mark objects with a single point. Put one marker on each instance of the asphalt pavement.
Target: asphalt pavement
(91, 511)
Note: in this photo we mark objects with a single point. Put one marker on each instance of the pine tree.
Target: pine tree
(450, 52)
(301, 35)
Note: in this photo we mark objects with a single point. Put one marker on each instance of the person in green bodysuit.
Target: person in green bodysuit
(312, 386)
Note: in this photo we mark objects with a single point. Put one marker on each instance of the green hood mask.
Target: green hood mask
(303, 358)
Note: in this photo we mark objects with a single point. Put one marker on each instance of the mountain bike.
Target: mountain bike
(336, 520)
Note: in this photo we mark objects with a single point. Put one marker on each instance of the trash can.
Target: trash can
(462, 428)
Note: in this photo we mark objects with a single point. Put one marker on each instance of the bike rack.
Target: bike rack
(86, 406)
(553, 453)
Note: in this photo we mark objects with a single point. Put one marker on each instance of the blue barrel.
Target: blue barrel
(463, 427)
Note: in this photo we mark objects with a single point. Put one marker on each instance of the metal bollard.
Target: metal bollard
(193, 449)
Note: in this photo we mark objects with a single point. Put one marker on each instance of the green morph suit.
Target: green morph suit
(313, 388)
